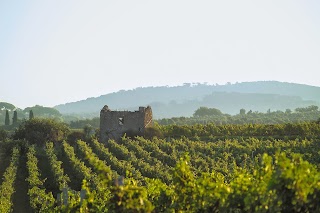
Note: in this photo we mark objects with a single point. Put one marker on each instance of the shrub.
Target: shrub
(151, 132)
(76, 135)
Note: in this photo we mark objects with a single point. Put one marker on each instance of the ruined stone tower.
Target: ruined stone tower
(113, 124)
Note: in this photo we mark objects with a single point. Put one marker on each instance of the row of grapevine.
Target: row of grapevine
(276, 184)
(120, 195)
(216, 155)
(79, 167)
(40, 200)
(7, 186)
(200, 160)
(148, 166)
(210, 130)
(156, 152)
(144, 147)
(122, 167)
(232, 175)
(60, 178)
(87, 151)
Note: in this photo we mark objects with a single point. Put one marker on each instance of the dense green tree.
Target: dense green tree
(151, 132)
(3, 135)
(75, 135)
(38, 131)
(15, 117)
(5, 105)
(205, 111)
(311, 108)
(80, 124)
(242, 111)
(288, 111)
(41, 111)
(88, 130)
(31, 116)
(275, 117)
(7, 120)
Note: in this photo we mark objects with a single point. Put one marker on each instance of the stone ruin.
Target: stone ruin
(113, 124)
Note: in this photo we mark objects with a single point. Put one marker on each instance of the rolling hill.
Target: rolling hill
(184, 100)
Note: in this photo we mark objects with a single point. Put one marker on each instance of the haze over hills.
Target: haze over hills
(184, 100)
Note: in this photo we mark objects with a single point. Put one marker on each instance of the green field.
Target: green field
(200, 168)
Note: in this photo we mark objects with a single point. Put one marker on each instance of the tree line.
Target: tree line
(204, 115)
(15, 119)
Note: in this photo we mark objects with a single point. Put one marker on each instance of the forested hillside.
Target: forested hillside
(184, 100)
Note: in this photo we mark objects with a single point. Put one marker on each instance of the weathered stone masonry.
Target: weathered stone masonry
(113, 124)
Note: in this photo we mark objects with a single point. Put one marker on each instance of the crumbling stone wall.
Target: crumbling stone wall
(113, 124)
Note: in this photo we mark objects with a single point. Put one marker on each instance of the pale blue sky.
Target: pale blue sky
(53, 52)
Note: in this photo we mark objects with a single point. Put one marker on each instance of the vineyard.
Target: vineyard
(174, 174)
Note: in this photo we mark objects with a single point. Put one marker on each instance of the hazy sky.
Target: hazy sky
(53, 52)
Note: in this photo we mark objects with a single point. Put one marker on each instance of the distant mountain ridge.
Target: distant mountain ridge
(184, 100)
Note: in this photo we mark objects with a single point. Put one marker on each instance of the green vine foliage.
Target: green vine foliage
(61, 179)
(183, 174)
(7, 187)
(40, 200)
(276, 184)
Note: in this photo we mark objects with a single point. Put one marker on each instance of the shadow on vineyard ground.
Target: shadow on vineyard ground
(20, 197)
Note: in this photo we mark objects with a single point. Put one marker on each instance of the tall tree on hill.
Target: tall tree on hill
(7, 120)
(31, 116)
(15, 117)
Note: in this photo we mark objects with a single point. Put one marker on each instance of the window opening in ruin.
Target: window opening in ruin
(121, 121)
